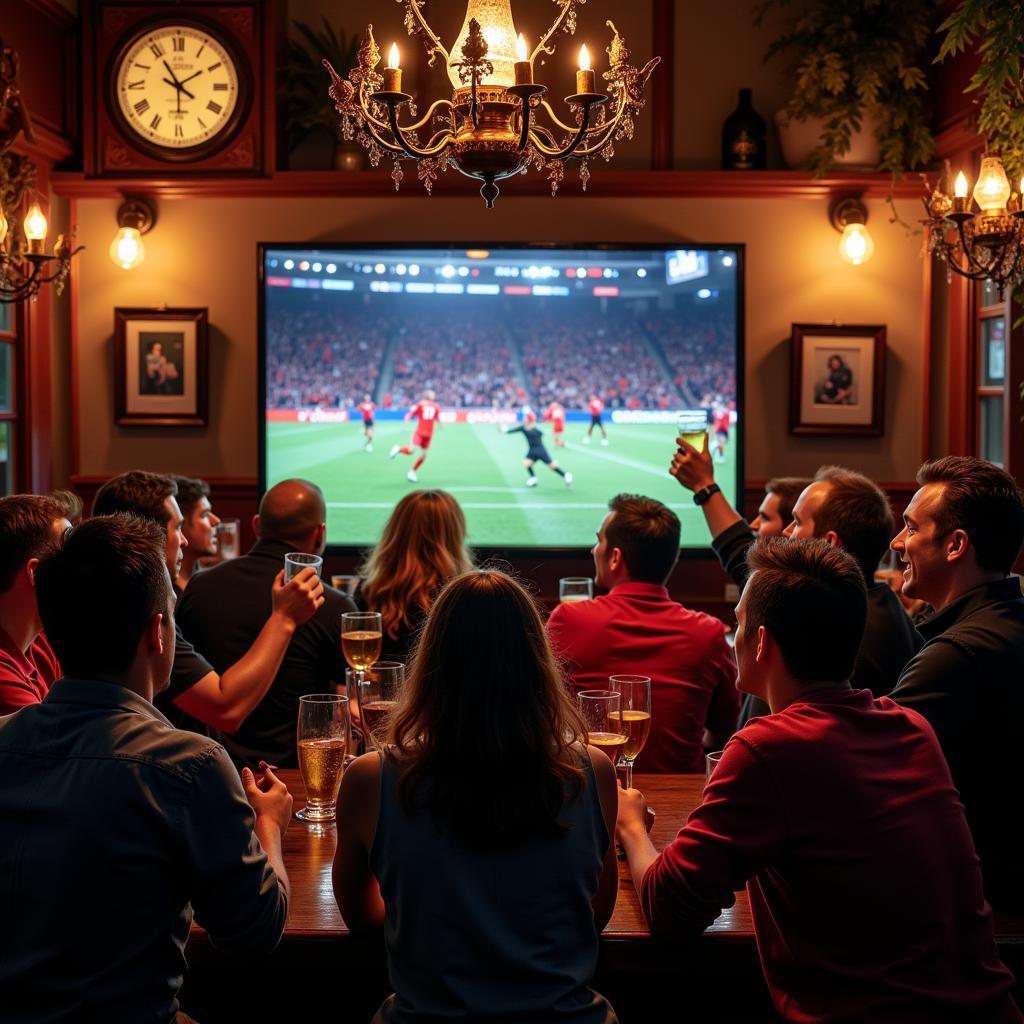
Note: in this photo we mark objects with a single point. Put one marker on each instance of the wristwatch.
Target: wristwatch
(699, 497)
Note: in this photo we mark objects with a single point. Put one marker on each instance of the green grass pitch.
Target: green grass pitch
(483, 469)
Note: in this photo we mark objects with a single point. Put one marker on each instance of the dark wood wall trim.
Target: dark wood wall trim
(663, 87)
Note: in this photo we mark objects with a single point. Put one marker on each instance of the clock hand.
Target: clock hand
(181, 89)
(175, 83)
(190, 77)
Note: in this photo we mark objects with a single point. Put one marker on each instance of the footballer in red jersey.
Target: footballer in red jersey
(555, 415)
(367, 408)
(721, 422)
(428, 415)
(595, 406)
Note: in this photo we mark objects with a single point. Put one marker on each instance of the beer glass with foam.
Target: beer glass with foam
(323, 733)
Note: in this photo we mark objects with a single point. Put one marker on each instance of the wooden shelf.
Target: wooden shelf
(603, 185)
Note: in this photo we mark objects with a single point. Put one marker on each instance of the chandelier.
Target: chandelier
(24, 265)
(988, 245)
(491, 128)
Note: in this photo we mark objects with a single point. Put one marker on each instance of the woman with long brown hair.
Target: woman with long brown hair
(422, 547)
(481, 837)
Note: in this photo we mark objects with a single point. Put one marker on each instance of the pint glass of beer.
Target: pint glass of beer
(361, 638)
(692, 425)
(378, 694)
(323, 738)
(575, 588)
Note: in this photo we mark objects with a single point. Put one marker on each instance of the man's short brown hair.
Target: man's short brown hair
(859, 512)
(647, 534)
(26, 530)
(137, 492)
(810, 597)
(982, 500)
(787, 489)
(98, 591)
(191, 491)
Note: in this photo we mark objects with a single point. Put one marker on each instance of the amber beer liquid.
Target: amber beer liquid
(361, 648)
(321, 763)
(612, 743)
(696, 439)
(637, 727)
(375, 715)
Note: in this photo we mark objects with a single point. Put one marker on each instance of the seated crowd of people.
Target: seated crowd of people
(147, 707)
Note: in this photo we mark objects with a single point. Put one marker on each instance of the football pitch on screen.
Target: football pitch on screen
(483, 469)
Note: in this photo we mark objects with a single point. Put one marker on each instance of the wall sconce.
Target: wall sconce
(850, 216)
(134, 218)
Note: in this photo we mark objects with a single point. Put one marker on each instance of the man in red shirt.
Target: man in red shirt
(555, 415)
(427, 414)
(30, 527)
(637, 628)
(838, 813)
(367, 408)
(595, 406)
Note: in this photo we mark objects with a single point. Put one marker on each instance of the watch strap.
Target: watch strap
(701, 496)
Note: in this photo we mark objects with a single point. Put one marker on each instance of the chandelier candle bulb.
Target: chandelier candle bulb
(960, 193)
(585, 78)
(523, 67)
(3, 227)
(393, 71)
(35, 229)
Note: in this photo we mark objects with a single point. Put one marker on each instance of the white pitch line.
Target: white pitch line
(500, 504)
(603, 453)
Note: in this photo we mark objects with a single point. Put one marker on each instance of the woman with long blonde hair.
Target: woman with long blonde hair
(422, 547)
(480, 839)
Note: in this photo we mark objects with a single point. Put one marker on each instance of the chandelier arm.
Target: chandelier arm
(568, 7)
(422, 122)
(435, 49)
(616, 116)
(374, 133)
(980, 271)
(410, 150)
(572, 147)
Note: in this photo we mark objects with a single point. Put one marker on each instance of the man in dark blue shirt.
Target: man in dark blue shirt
(116, 825)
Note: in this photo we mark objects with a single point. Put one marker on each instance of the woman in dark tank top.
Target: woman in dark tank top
(481, 838)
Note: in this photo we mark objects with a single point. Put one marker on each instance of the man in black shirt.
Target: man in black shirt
(838, 386)
(536, 451)
(844, 508)
(198, 696)
(962, 533)
(224, 608)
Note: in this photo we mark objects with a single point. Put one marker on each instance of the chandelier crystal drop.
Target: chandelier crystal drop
(498, 121)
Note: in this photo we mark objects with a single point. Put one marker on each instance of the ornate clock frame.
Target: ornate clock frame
(249, 29)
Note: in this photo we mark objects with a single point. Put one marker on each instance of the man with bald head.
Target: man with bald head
(224, 607)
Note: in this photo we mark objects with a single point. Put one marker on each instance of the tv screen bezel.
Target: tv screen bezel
(737, 249)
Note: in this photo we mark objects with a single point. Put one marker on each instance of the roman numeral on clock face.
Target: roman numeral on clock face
(214, 106)
(155, 123)
(141, 107)
(179, 44)
(158, 50)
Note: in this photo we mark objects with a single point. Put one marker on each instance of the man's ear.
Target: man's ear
(154, 636)
(615, 560)
(957, 545)
(763, 641)
(30, 568)
(321, 537)
(833, 538)
(256, 525)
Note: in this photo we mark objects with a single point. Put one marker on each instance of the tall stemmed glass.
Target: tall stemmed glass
(600, 710)
(322, 734)
(361, 639)
(379, 692)
(633, 718)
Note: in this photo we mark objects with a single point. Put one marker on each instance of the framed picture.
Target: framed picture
(837, 382)
(160, 367)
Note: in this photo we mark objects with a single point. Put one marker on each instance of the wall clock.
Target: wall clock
(180, 89)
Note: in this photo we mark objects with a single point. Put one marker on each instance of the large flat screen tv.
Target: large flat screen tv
(455, 347)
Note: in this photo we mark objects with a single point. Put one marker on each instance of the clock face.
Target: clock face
(177, 87)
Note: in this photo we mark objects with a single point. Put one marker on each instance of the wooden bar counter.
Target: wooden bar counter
(719, 972)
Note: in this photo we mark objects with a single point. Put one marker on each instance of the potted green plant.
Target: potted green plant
(856, 70)
(995, 30)
(308, 108)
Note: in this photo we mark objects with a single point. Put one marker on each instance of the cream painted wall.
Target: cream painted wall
(203, 253)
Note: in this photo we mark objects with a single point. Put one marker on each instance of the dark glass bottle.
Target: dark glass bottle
(744, 138)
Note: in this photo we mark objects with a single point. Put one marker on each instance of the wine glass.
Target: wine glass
(600, 710)
(378, 694)
(633, 718)
(323, 734)
(361, 639)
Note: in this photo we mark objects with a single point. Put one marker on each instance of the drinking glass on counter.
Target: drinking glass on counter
(378, 692)
(601, 710)
(323, 738)
(361, 638)
(634, 717)
(228, 543)
(296, 561)
(575, 588)
(692, 426)
(345, 583)
(710, 764)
